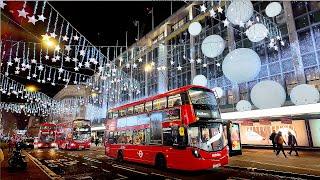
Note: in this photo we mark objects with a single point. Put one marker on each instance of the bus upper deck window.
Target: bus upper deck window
(110, 115)
(122, 112)
(139, 109)
(130, 111)
(148, 106)
(174, 100)
(160, 103)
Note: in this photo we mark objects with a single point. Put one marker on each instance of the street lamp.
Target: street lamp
(148, 68)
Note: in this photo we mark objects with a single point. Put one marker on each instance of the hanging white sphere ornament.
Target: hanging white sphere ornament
(195, 28)
(239, 11)
(243, 105)
(212, 46)
(304, 94)
(273, 9)
(200, 80)
(218, 91)
(257, 32)
(241, 65)
(268, 94)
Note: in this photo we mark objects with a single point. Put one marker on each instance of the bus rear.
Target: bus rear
(46, 136)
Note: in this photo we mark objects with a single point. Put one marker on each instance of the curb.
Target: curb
(274, 172)
(46, 170)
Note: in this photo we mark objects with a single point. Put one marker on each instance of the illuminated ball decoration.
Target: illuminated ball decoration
(268, 94)
(218, 91)
(239, 11)
(194, 28)
(273, 9)
(212, 46)
(241, 65)
(257, 32)
(243, 105)
(200, 80)
(304, 94)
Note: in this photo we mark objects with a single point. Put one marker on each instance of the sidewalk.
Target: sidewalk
(306, 163)
(31, 173)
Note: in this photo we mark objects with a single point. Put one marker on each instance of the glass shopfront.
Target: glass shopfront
(257, 133)
(315, 131)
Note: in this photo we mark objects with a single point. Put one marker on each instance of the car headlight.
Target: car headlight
(72, 144)
(54, 144)
(195, 153)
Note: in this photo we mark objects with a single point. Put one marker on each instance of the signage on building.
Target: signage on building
(247, 122)
(264, 121)
(286, 121)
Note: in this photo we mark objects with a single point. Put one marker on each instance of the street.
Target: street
(93, 164)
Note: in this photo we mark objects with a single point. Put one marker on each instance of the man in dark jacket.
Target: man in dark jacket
(272, 138)
(292, 142)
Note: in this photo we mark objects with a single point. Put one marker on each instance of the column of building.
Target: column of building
(294, 42)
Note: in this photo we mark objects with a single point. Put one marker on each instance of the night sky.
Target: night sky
(101, 22)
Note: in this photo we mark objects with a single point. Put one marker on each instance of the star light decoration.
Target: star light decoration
(76, 37)
(179, 68)
(41, 18)
(22, 13)
(32, 19)
(203, 8)
(2, 4)
(65, 38)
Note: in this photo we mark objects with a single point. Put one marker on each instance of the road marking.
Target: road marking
(122, 177)
(94, 167)
(117, 165)
(153, 173)
(307, 169)
(106, 170)
(130, 169)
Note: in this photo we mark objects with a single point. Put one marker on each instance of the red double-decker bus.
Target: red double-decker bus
(46, 137)
(74, 135)
(179, 129)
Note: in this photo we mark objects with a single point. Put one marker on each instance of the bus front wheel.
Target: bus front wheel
(120, 156)
(161, 162)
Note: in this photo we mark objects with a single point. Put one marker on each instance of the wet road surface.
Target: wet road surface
(93, 164)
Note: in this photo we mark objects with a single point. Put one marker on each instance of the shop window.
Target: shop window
(174, 101)
(302, 22)
(148, 106)
(160, 103)
(314, 17)
(299, 8)
(305, 41)
(139, 109)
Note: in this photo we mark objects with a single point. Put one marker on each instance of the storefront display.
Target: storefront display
(315, 131)
(258, 133)
(235, 137)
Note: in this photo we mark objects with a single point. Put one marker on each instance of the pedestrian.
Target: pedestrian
(1, 158)
(97, 141)
(292, 142)
(272, 138)
(279, 139)
(10, 145)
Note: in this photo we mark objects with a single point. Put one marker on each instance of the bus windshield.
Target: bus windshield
(81, 136)
(209, 138)
(204, 103)
(47, 138)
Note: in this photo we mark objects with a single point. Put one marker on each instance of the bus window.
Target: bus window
(139, 109)
(128, 137)
(122, 112)
(160, 103)
(148, 106)
(110, 115)
(138, 137)
(115, 114)
(130, 111)
(174, 100)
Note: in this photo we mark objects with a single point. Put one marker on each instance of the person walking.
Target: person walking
(272, 138)
(97, 141)
(292, 142)
(279, 139)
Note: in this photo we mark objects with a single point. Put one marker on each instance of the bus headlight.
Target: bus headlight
(72, 144)
(54, 144)
(195, 153)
